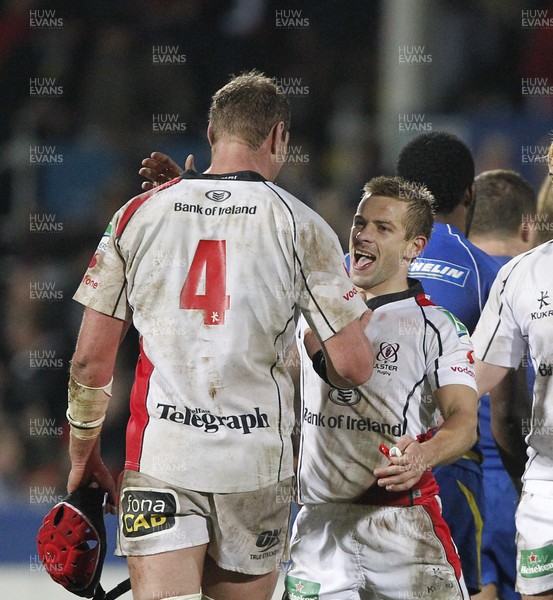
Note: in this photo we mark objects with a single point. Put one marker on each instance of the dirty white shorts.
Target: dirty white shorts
(534, 522)
(367, 552)
(246, 532)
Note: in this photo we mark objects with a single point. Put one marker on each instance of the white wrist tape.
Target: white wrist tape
(86, 408)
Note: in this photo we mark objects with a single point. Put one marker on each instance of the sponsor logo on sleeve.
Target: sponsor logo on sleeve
(103, 245)
(87, 280)
(465, 370)
(351, 294)
(460, 328)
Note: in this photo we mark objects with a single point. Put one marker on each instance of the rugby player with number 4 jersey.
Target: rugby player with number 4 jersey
(371, 524)
(212, 269)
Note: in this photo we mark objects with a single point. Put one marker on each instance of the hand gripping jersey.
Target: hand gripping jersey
(418, 348)
(212, 270)
(519, 311)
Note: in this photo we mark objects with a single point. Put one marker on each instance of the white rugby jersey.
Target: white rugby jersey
(418, 347)
(519, 312)
(212, 269)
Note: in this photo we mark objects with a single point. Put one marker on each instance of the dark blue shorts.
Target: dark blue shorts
(499, 550)
(462, 495)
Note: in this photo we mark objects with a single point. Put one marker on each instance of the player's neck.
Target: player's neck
(233, 156)
(508, 246)
(393, 285)
(457, 217)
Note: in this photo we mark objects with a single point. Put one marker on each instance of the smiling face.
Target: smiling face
(379, 253)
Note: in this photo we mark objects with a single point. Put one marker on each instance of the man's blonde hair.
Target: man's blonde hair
(246, 109)
(419, 214)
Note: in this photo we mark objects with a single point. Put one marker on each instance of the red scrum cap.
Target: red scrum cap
(71, 544)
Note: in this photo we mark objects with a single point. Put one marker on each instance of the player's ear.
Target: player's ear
(279, 139)
(415, 247)
(210, 135)
(526, 234)
(468, 196)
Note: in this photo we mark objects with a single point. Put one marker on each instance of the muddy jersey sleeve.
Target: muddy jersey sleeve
(104, 287)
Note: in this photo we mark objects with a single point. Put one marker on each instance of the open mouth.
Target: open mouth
(363, 259)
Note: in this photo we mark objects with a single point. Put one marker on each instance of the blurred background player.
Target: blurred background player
(210, 382)
(456, 275)
(542, 225)
(370, 525)
(505, 208)
(506, 203)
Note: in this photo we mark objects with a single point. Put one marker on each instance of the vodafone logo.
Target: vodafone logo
(93, 260)
(464, 370)
(350, 294)
(87, 280)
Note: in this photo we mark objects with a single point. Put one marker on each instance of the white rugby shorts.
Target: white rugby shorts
(367, 552)
(534, 522)
(245, 532)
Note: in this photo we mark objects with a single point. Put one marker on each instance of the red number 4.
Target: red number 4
(211, 257)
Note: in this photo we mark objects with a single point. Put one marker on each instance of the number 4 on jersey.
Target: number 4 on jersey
(211, 257)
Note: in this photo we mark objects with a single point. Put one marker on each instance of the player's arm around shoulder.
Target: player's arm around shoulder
(348, 354)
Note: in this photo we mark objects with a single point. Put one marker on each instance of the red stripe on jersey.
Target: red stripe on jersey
(426, 488)
(139, 411)
(137, 202)
(444, 535)
(422, 300)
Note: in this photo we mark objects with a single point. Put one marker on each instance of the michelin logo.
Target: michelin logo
(430, 268)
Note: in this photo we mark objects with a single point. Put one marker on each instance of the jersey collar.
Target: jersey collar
(415, 289)
(237, 176)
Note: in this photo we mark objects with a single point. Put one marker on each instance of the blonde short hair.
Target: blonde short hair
(419, 215)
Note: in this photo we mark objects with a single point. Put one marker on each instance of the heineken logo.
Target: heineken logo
(537, 562)
(301, 589)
